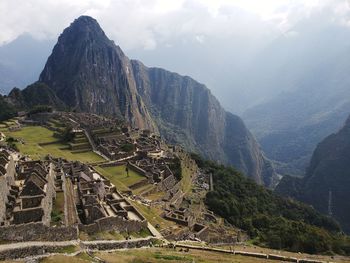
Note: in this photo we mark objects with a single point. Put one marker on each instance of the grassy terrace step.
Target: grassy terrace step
(35, 135)
(81, 151)
(55, 123)
(80, 140)
(79, 146)
(118, 177)
(79, 135)
(143, 189)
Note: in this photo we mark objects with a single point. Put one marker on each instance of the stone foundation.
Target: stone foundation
(113, 223)
(111, 245)
(37, 232)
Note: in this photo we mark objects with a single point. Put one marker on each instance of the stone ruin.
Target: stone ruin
(27, 192)
(99, 206)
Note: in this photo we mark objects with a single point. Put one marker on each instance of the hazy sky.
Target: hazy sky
(147, 23)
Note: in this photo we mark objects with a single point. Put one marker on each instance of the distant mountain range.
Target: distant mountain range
(327, 181)
(21, 61)
(305, 89)
(88, 72)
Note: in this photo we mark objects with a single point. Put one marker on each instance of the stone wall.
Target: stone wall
(50, 195)
(5, 182)
(23, 216)
(37, 232)
(114, 223)
(139, 184)
(4, 190)
(33, 250)
(111, 245)
(137, 169)
(113, 164)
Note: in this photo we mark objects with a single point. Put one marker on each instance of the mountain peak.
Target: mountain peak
(89, 73)
(85, 22)
(82, 28)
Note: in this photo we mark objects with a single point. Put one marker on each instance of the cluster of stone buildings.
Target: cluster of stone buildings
(91, 203)
(27, 191)
(99, 206)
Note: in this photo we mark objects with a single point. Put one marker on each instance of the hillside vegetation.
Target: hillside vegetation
(269, 219)
(6, 110)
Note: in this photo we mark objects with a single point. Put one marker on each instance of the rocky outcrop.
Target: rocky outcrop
(91, 74)
(187, 113)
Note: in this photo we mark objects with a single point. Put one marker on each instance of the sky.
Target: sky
(146, 24)
(214, 41)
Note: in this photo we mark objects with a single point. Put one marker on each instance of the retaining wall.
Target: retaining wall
(110, 245)
(114, 223)
(37, 232)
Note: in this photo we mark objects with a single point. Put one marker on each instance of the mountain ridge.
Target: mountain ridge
(327, 178)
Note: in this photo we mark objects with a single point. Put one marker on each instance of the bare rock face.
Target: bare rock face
(187, 113)
(89, 73)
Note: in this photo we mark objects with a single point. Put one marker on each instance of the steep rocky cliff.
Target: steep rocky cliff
(186, 112)
(88, 72)
(327, 180)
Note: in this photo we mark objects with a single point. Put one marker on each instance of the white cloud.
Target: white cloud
(148, 23)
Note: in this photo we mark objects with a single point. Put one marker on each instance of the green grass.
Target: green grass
(118, 175)
(152, 215)
(32, 136)
(143, 189)
(164, 255)
(186, 181)
(58, 207)
(104, 235)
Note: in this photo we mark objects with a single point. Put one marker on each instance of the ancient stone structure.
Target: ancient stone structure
(28, 191)
(100, 206)
(36, 192)
(7, 183)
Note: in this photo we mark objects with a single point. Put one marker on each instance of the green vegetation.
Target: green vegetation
(159, 255)
(119, 177)
(40, 109)
(175, 167)
(58, 209)
(128, 147)
(155, 255)
(187, 171)
(38, 142)
(7, 111)
(164, 255)
(67, 134)
(271, 220)
(11, 142)
(152, 214)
